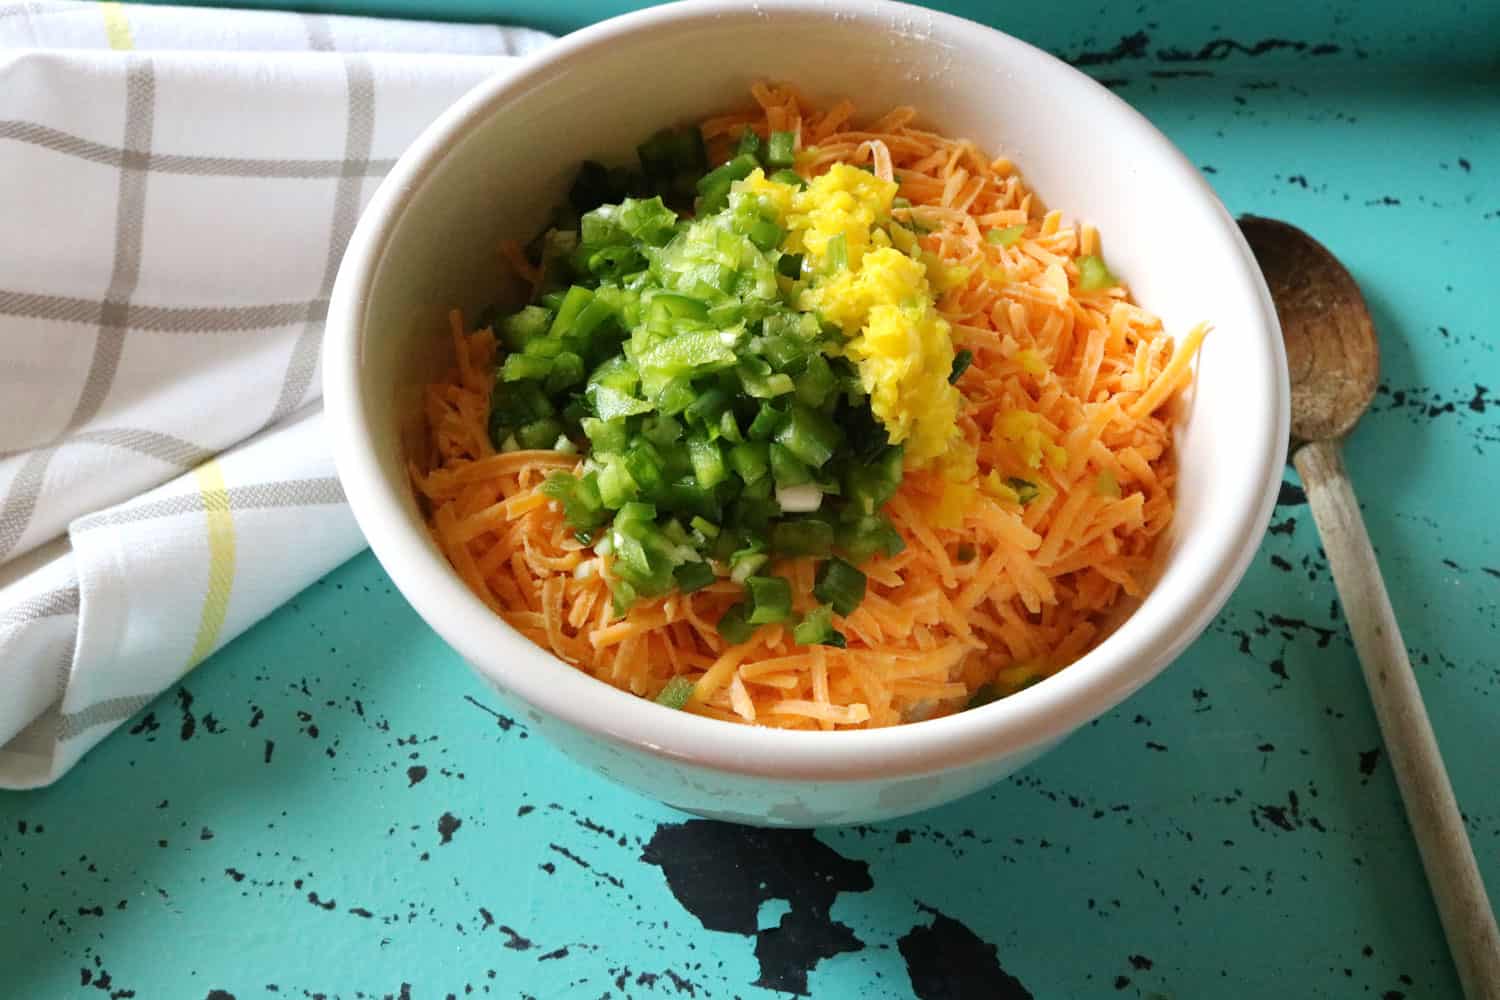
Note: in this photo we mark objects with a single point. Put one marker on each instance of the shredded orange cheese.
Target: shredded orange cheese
(1067, 389)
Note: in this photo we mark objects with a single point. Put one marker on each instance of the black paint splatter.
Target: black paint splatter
(1288, 817)
(514, 941)
(415, 774)
(1290, 495)
(947, 961)
(447, 825)
(1290, 625)
(1129, 47)
(185, 702)
(219, 995)
(505, 722)
(581, 863)
(722, 873)
(1367, 761)
(1222, 48)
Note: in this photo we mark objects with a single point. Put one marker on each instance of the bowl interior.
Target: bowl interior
(492, 169)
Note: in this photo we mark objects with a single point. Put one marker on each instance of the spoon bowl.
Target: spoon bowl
(1332, 353)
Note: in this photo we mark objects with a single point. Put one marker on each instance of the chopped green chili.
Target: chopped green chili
(676, 693)
(1009, 236)
(1025, 490)
(1093, 275)
(816, 629)
(780, 149)
(770, 599)
(840, 585)
(716, 423)
(734, 625)
(961, 362)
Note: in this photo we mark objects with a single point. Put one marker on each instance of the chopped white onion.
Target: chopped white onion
(802, 499)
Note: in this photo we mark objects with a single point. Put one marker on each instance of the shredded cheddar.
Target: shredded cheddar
(1006, 577)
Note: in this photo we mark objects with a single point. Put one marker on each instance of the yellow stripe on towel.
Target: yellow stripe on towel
(116, 26)
(220, 557)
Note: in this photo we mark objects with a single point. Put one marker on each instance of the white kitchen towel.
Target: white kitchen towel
(176, 189)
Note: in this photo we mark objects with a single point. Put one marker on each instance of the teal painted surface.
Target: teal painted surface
(1446, 33)
(1230, 831)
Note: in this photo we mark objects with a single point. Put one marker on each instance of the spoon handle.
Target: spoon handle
(1467, 918)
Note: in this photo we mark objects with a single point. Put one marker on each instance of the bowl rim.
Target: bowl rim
(1041, 714)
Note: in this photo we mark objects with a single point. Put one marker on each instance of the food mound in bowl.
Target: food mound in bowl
(808, 425)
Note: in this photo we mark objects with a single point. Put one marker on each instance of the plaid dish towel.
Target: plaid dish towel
(178, 186)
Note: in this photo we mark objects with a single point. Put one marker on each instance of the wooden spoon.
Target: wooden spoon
(1334, 360)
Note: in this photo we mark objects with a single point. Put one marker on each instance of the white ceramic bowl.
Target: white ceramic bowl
(495, 163)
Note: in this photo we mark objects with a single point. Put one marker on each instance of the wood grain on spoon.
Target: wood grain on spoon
(1334, 361)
